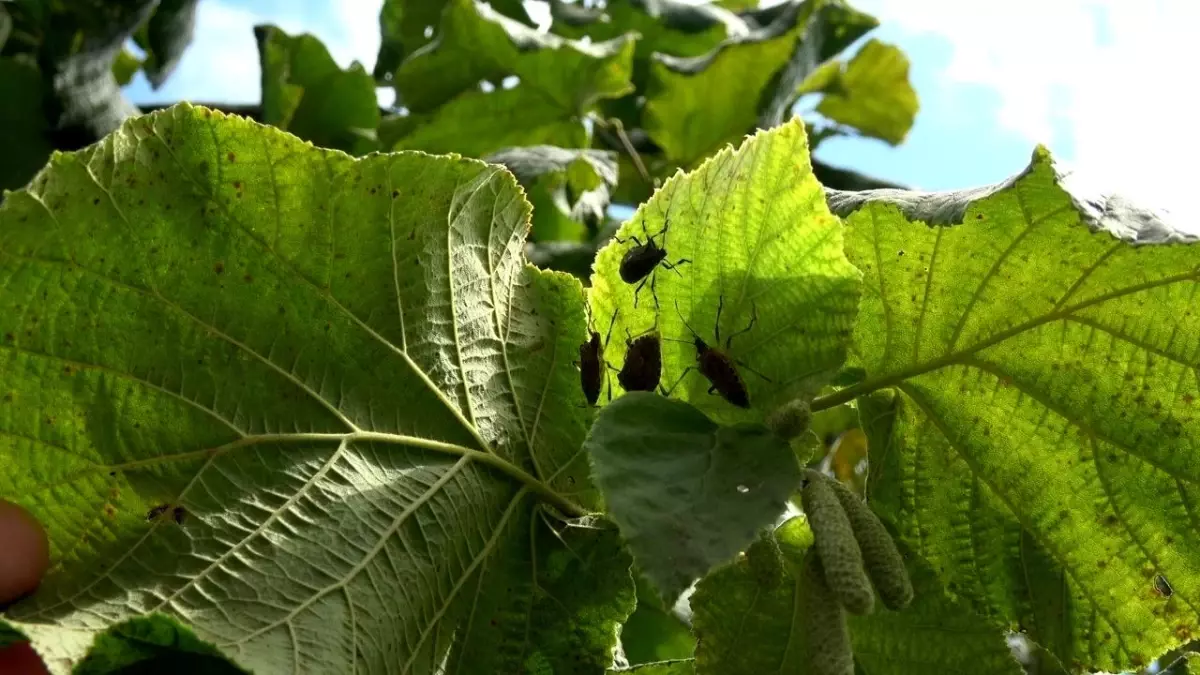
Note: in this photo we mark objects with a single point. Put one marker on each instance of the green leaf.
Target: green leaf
(873, 94)
(24, 133)
(651, 634)
(695, 105)
(408, 25)
(165, 37)
(829, 27)
(315, 359)
(125, 66)
(745, 626)
(687, 493)
(306, 93)
(1043, 454)
(655, 633)
(755, 225)
(477, 43)
(9, 634)
(155, 643)
(932, 635)
(675, 27)
(570, 189)
(478, 123)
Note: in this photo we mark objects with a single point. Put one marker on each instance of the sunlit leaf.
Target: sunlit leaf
(1043, 453)
(762, 242)
(873, 94)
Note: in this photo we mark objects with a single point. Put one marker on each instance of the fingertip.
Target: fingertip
(20, 659)
(25, 554)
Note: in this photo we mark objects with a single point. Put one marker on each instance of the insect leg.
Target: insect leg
(743, 365)
(685, 323)
(667, 392)
(638, 290)
(753, 320)
(672, 266)
(626, 241)
(610, 326)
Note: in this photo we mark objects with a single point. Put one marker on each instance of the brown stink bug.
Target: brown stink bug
(716, 365)
(639, 262)
(643, 362)
(592, 365)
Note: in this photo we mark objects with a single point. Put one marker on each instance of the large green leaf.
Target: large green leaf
(1044, 452)
(688, 494)
(407, 25)
(342, 372)
(305, 92)
(761, 239)
(872, 93)
(477, 43)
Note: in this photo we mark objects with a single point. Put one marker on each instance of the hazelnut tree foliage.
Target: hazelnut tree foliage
(296, 387)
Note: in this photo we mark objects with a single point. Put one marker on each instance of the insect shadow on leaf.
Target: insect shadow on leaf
(591, 364)
(638, 263)
(643, 361)
(715, 364)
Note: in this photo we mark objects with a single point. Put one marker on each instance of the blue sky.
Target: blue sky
(1102, 83)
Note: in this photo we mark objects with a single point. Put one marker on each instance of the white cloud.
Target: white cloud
(1106, 84)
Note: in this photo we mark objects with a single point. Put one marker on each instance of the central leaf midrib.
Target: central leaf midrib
(958, 358)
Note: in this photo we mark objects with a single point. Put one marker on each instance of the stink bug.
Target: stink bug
(643, 362)
(716, 365)
(1162, 587)
(639, 262)
(591, 364)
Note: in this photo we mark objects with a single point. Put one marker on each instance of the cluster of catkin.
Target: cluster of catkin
(851, 552)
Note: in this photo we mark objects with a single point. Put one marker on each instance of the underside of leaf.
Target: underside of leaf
(273, 392)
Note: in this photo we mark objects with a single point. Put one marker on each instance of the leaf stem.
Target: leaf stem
(544, 491)
(957, 358)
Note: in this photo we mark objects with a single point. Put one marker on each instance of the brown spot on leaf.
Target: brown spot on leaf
(219, 267)
(231, 157)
